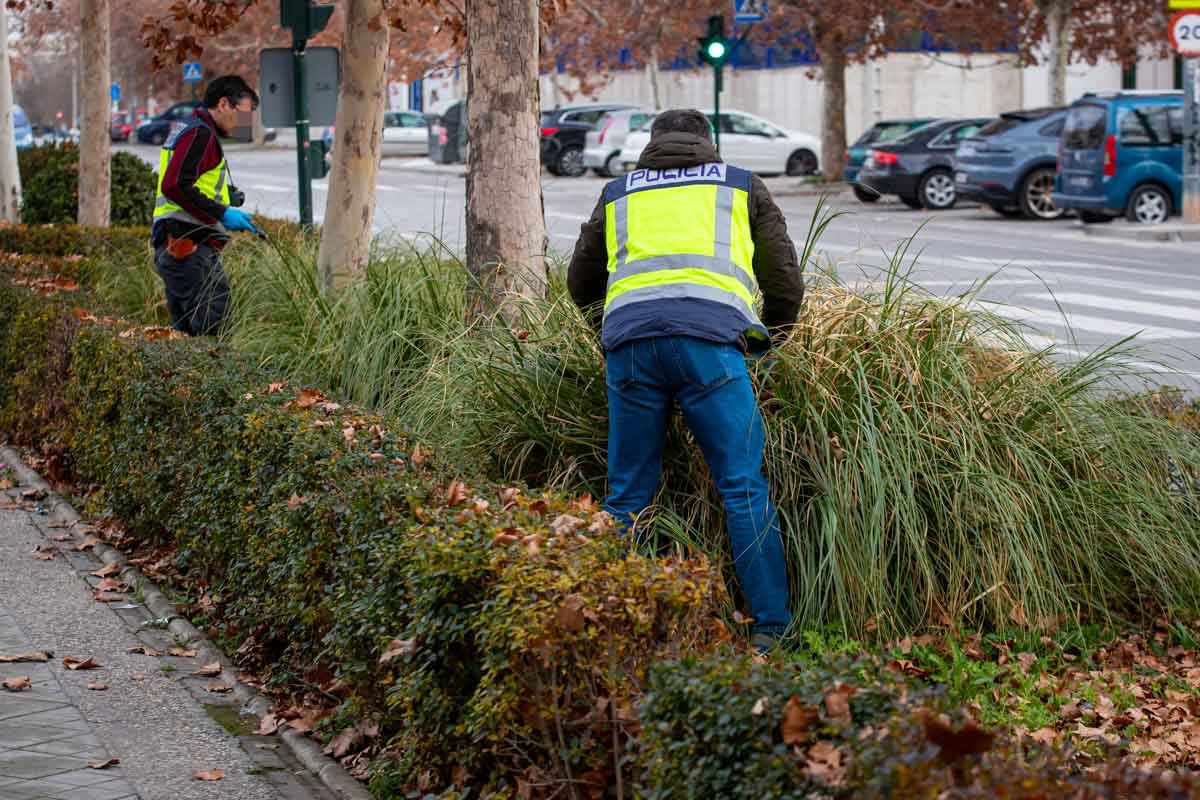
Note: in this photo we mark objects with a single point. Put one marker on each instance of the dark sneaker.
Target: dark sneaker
(764, 643)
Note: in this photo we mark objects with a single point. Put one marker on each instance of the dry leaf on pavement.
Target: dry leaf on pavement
(181, 652)
(208, 671)
(210, 775)
(218, 688)
(35, 655)
(17, 683)
(112, 762)
(107, 571)
(268, 725)
(97, 687)
(142, 650)
(72, 663)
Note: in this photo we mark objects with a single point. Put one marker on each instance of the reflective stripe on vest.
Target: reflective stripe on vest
(213, 184)
(674, 234)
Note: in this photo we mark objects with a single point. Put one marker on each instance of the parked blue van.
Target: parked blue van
(1121, 153)
(22, 130)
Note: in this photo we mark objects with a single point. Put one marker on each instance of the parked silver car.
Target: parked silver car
(602, 151)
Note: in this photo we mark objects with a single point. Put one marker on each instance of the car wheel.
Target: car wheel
(1006, 211)
(1036, 195)
(570, 162)
(1094, 217)
(911, 200)
(613, 167)
(158, 138)
(1148, 205)
(865, 194)
(801, 162)
(937, 192)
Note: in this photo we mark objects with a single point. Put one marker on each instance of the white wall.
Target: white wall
(1103, 77)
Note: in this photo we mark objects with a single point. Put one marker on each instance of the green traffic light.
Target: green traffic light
(716, 50)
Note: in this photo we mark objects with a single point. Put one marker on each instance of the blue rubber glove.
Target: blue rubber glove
(237, 220)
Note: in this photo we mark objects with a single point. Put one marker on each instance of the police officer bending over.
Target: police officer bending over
(196, 208)
(673, 261)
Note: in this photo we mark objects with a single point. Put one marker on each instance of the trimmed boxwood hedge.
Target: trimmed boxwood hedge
(503, 640)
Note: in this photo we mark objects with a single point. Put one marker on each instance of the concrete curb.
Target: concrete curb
(1170, 232)
(307, 752)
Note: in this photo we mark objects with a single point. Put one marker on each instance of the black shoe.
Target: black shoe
(763, 643)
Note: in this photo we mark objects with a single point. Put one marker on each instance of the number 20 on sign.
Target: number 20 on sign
(1185, 33)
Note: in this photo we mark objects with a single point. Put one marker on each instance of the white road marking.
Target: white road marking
(1189, 313)
(1092, 324)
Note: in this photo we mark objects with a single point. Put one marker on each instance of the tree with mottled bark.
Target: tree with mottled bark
(506, 229)
(10, 175)
(95, 167)
(349, 210)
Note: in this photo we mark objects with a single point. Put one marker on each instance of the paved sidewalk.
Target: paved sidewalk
(155, 717)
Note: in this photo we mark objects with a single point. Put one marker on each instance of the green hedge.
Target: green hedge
(50, 186)
(503, 639)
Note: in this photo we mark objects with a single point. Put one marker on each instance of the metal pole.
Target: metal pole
(717, 107)
(1191, 141)
(301, 101)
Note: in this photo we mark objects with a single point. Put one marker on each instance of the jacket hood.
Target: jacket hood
(670, 150)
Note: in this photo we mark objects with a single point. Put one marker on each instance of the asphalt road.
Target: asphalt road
(1077, 291)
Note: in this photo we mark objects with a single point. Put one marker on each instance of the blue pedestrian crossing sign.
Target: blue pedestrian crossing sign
(193, 72)
(749, 10)
(115, 93)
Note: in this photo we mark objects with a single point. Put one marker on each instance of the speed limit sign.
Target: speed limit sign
(1185, 33)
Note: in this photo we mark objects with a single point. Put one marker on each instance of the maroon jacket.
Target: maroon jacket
(197, 149)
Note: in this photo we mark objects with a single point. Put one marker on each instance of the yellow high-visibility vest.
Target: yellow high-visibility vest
(213, 184)
(682, 234)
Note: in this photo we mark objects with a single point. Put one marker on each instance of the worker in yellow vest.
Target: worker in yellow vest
(196, 208)
(674, 263)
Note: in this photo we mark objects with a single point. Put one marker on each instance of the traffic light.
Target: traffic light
(305, 19)
(715, 49)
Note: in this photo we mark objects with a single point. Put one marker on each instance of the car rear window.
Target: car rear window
(548, 118)
(1001, 125)
(884, 132)
(1085, 128)
(636, 121)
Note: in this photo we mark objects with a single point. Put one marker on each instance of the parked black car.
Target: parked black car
(448, 135)
(1011, 162)
(919, 167)
(156, 129)
(564, 135)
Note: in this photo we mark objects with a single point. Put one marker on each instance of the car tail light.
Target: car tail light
(549, 131)
(607, 124)
(885, 159)
(1110, 156)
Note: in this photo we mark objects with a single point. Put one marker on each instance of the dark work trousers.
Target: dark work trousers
(197, 289)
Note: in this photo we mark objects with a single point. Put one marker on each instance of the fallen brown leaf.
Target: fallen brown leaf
(112, 762)
(72, 663)
(954, 744)
(142, 650)
(87, 544)
(837, 703)
(397, 648)
(347, 741)
(107, 571)
(208, 671)
(44, 555)
(268, 725)
(210, 775)
(107, 597)
(98, 687)
(798, 720)
(307, 398)
(35, 655)
(181, 652)
(17, 683)
(218, 688)
(112, 585)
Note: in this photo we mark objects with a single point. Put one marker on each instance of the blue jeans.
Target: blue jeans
(646, 377)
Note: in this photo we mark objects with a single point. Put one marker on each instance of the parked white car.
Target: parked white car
(749, 142)
(405, 133)
(602, 151)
